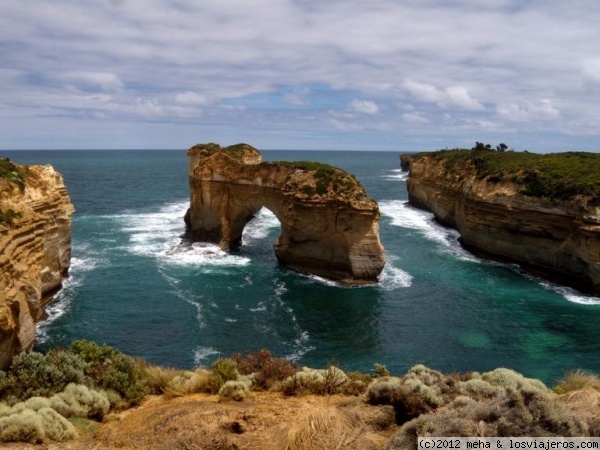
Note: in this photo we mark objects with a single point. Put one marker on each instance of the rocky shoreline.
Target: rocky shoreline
(558, 238)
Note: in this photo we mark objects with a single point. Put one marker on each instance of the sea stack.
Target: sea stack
(329, 225)
(35, 250)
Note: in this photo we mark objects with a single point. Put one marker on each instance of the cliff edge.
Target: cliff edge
(541, 211)
(329, 225)
(35, 250)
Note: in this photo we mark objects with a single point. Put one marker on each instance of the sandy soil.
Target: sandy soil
(264, 421)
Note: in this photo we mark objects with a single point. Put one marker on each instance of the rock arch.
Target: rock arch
(329, 225)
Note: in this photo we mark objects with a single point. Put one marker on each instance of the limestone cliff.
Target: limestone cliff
(329, 225)
(495, 214)
(35, 250)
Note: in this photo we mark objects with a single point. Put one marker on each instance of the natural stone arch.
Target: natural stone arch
(329, 226)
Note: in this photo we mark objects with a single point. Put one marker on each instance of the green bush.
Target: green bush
(379, 370)
(25, 426)
(35, 426)
(558, 176)
(315, 381)
(235, 390)
(111, 370)
(221, 371)
(35, 374)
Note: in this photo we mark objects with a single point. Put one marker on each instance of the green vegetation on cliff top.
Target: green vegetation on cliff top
(559, 176)
(328, 179)
(12, 173)
(39, 392)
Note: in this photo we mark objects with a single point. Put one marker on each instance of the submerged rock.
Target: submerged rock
(329, 225)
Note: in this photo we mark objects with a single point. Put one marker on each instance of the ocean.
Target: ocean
(133, 285)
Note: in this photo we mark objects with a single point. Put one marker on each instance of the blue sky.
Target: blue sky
(391, 75)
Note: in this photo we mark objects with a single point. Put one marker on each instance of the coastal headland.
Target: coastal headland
(540, 211)
(35, 250)
(329, 224)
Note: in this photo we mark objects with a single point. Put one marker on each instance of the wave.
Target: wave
(260, 226)
(402, 214)
(87, 261)
(396, 174)
(202, 353)
(568, 293)
(159, 235)
(392, 277)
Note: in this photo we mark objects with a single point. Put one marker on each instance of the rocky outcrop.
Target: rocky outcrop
(405, 160)
(35, 250)
(329, 225)
(556, 238)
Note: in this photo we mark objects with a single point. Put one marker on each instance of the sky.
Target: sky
(393, 75)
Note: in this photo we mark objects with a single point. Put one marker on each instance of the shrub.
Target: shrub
(111, 369)
(267, 369)
(55, 426)
(314, 381)
(525, 412)
(34, 374)
(478, 388)
(25, 426)
(379, 370)
(356, 384)
(235, 390)
(79, 401)
(34, 426)
(508, 378)
(419, 392)
(221, 371)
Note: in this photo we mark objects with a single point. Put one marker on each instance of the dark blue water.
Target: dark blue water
(134, 287)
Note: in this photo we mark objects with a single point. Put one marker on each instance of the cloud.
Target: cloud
(491, 65)
(414, 117)
(103, 80)
(450, 97)
(542, 110)
(363, 106)
(591, 72)
(190, 98)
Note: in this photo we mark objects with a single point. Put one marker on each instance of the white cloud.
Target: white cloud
(103, 80)
(363, 106)
(190, 98)
(414, 117)
(591, 72)
(541, 110)
(498, 62)
(450, 97)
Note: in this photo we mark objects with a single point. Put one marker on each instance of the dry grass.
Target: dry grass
(158, 378)
(578, 380)
(321, 427)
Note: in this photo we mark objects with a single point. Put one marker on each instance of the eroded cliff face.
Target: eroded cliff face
(329, 225)
(35, 251)
(556, 238)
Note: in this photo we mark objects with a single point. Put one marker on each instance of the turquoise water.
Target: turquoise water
(135, 287)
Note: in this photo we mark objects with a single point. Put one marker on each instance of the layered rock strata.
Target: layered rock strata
(35, 250)
(559, 239)
(329, 225)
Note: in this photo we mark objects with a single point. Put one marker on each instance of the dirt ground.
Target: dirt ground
(264, 421)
